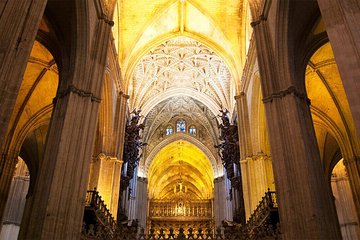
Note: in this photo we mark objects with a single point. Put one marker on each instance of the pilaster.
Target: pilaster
(120, 123)
(105, 172)
(257, 176)
(243, 126)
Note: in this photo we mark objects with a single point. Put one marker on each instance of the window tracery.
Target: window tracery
(180, 126)
(169, 130)
(192, 130)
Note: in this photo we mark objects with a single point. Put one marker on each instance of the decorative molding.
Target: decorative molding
(241, 95)
(103, 156)
(181, 62)
(288, 91)
(106, 20)
(219, 179)
(8, 222)
(250, 67)
(142, 179)
(256, 157)
(80, 92)
(122, 94)
(260, 19)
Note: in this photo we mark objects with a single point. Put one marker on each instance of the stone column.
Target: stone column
(341, 18)
(19, 22)
(219, 200)
(132, 204)
(120, 123)
(228, 201)
(222, 203)
(15, 203)
(142, 201)
(256, 171)
(353, 170)
(305, 203)
(8, 163)
(345, 207)
(105, 177)
(105, 170)
(257, 174)
(243, 126)
(59, 196)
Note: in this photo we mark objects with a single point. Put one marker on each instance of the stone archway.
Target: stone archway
(180, 188)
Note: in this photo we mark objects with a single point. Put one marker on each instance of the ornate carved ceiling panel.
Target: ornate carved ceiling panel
(222, 24)
(182, 63)
(181, 106)
(166, 114)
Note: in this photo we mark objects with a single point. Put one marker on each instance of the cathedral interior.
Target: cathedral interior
(180, 119)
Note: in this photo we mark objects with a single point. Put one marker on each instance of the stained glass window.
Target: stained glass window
(169, 130)
(192, 130)
(180, 126)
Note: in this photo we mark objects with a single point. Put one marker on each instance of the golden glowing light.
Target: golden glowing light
(222, 25)
(181, 167)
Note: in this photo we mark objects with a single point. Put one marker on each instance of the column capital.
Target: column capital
(241, 95)
(80, 92)
(218, 179)
(245, 160)
(261, 155)
(283, 93)
(103, 156)
(260, 11)
(142, 179)
(122, 94)
(102, 10)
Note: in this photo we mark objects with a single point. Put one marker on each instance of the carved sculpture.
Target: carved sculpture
(131, 158)
(132, 145)
(229, 153)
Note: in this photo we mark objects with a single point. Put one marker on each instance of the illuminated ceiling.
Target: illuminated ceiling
(329, 106)
(181, 66)
(181, 58)
(166, 114)
(222, 25)
(180, 161)
(33, 105)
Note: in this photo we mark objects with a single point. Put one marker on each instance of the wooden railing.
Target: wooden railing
(94, 202)
(267, 204)
(263, 224)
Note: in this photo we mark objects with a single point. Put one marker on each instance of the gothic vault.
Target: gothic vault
(131, 119)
